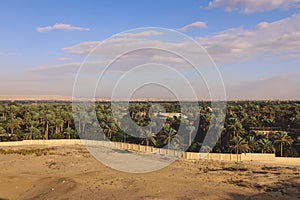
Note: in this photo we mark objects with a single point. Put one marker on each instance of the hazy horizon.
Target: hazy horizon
(254, 45)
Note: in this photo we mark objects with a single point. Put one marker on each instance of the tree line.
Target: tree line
(243, 130)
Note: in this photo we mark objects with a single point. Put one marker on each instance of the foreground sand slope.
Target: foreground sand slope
(70, 172)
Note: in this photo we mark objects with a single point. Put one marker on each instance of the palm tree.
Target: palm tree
(149, 138)
(14, 124)
(3, 133)
(3, 109)
(69, 133)
(252, 143)
(195, 147)
(59, 123)
(47, 118)
(34, 133)
(67, 116)
(169, 134)
(29, 135)
(235, 126)
(266, 145)
(282, 138)
(12, 110)
(109, 129)
(239, 145)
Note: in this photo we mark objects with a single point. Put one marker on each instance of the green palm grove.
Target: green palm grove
(240, 134)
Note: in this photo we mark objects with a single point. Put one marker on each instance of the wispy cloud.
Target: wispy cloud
(198, 24)
(61, 69)
(278, 39)
(231, 45)
(84, 48)
(63, 27)
(250, 6)
(238, 44)
(63, 59)
(141, 34)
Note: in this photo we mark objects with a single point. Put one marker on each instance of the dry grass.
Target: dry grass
(24, 152)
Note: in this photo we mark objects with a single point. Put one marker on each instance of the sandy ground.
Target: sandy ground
(70, 172)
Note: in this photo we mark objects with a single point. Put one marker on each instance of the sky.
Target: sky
(254, 44)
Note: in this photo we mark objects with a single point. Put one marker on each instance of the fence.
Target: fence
(167, 152)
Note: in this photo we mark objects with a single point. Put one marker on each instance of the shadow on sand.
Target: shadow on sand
(288, 189)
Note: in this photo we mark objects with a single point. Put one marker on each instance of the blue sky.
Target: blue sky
(260, 67)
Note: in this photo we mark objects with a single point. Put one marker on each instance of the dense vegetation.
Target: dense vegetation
(242, 132)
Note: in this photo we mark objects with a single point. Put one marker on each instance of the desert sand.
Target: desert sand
(71, 172)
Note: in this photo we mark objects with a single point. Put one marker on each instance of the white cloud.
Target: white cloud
(232, 45)
(171, 59)
(63, 27)
(250, 6)
(141, 34)
(237, 44)
(114, 48)
(82, 48)
(117, 44)
(193, 25)
(119, 65)
(279, 39)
